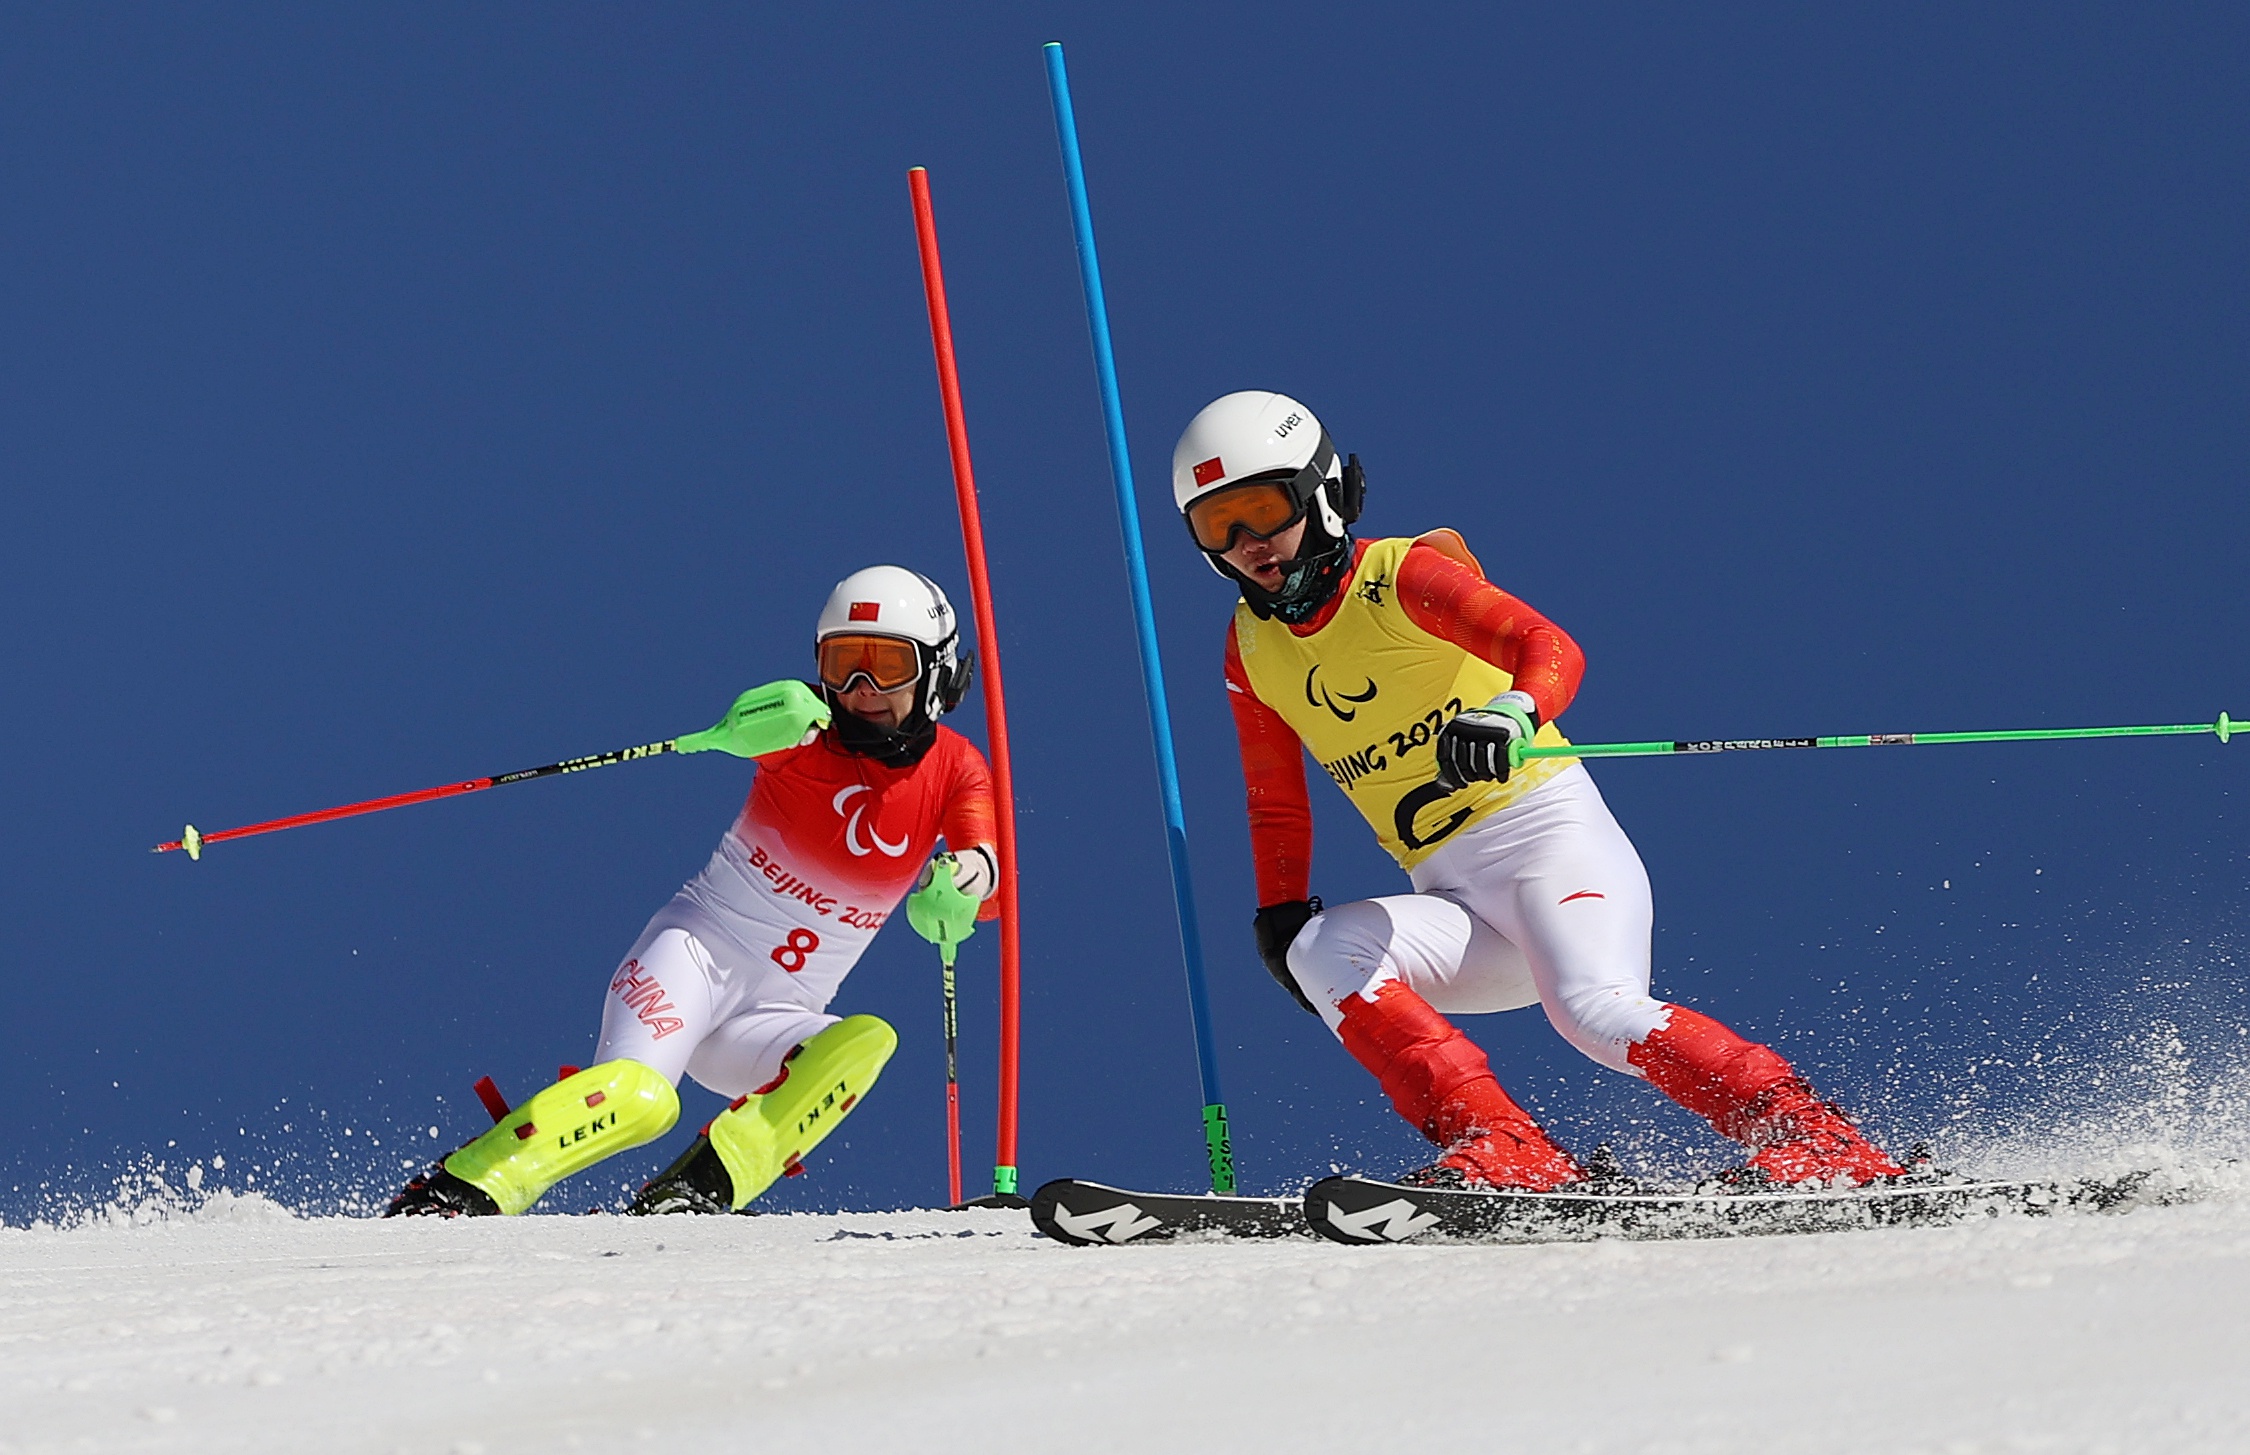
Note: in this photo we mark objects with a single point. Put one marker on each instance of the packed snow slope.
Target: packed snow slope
(241, 1327)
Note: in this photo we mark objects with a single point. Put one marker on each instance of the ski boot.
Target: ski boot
(1800, 1138)
(764, 1136)
(1438, 1080)
(567, 1128)
(696, 1183)
(437, 1193)
(1750, 1093)
(1502, 1160)
(1498, 1144)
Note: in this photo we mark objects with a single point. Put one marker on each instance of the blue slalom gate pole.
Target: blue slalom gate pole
(1216, 1143)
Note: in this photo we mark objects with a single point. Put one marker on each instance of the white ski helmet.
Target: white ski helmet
(1256, 437)
(891, 602)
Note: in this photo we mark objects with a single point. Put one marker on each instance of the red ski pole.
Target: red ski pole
(762, 720)
(194, 842)
(995, 700)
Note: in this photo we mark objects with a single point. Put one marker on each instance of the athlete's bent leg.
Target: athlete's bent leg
(1558, 877)
(766, 1133)
(1439, 1081)
(1751, 1093)
(566, 1128)
(744, 1053)
(742, 1057)
(662, 1002)
(659, 1004)
(1365, 965)
(1445, 954)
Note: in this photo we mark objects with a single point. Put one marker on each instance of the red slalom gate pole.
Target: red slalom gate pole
(995, 699)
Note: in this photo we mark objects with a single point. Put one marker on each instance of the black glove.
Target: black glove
(1277, 926)
(1473, 748)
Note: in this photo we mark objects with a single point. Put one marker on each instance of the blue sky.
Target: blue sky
(397, 394)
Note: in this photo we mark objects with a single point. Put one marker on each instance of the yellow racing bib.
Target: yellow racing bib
(1366, 695)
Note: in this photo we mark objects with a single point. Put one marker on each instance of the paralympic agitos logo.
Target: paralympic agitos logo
(1325, 699)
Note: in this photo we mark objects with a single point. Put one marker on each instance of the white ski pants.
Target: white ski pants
(1545, 901)
(688, 1001)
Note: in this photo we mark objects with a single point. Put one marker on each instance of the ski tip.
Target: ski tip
(192, 841)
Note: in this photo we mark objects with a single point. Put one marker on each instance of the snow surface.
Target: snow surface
(235, 1325)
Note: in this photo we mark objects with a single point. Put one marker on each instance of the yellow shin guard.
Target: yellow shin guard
(567, 1128)
(760, 1136)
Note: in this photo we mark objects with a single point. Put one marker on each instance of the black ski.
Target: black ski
(1359, 1210)
(1091, 1215)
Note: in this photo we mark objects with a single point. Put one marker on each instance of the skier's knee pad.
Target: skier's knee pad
(762, 1135)
(567, 1128)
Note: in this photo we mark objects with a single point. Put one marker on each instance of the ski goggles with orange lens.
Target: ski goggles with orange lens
(1262, 508)
(888, 663)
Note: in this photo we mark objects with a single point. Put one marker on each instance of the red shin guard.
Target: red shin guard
(1439, 1081)
(1749, 1093)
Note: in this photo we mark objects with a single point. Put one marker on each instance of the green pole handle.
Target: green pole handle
(1520, 752)
(761, 721)
(940, 912)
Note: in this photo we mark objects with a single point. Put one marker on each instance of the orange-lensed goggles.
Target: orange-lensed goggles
(1261, 508)
(888, 662)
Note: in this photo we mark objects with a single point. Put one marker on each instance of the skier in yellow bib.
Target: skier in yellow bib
(1406, 675)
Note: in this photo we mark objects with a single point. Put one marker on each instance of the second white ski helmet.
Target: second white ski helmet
(1255, 437)
(1240, 436)
(1256, 434)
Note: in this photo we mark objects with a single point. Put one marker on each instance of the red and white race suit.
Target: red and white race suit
(740, 966)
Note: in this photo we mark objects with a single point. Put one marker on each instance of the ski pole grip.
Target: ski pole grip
(940, 911)
(763, 720)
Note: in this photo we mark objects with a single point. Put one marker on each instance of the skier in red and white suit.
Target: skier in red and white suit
(739, 968)
(733, 977)
(1408, 676)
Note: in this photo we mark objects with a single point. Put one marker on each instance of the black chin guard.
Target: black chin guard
(895, 747)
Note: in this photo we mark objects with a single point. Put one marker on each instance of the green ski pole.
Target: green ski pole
(1519, 753)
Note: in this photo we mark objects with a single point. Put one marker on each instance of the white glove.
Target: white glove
(975, 872)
